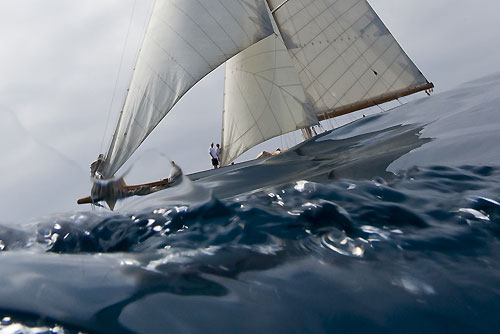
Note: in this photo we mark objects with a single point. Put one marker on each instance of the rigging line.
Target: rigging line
(146, 23)
(287, 141)
(118, 75)
(279, 6)
(335, 121)
(322, 127)
(330, 123)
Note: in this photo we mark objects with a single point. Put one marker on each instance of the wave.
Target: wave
(411, 210)
(388, 224)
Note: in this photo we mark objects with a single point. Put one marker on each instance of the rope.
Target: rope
(118, 75)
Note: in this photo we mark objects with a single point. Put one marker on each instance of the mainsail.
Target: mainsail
(346, 57)
(185, 40)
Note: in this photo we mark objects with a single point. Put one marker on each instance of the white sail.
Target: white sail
(345, 55)
(185, 40)
(264, 98)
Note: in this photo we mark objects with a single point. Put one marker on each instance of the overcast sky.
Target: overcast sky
(60, 61)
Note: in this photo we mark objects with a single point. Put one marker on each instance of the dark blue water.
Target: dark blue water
(388, 225)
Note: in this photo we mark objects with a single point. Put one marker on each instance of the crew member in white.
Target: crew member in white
(218, 150)
(213, 154)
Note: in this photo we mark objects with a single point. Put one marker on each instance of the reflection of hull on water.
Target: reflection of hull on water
(320, 160)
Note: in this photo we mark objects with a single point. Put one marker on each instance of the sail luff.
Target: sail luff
(222, 153)
(101, 173)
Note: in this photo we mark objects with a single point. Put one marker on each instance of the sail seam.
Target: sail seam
(249, 110)
(304, 8)
(294, 56)
(222, 28)
(172, 58)
(157, 75)
(236, 20)
(403, 71)
(337, 16)
(267, 103)
(388, 87)
(271, 92)
(250, 73)
(402, 54)
(277, 68)
(368, 69)
(256, 55)
(186, 41)
(361, 56)
(331, 25)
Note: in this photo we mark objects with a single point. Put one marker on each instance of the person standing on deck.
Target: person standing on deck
(213, 154)
(218, 151)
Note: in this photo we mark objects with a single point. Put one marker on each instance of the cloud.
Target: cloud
(450, 41)
(36, 179)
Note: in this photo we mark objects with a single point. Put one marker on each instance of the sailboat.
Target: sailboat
(289, 65)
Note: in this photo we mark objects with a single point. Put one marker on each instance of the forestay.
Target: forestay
(185, 40)
(345, 55)
(264, 98)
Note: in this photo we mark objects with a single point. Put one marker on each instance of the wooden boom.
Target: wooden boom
(131, 190)
(373, 102)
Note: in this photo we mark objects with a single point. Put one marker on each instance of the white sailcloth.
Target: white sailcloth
(185, 40)
(264, 98)
(343, 51)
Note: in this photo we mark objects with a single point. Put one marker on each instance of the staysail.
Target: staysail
(263, 98)
(346, 57)
(185, 40)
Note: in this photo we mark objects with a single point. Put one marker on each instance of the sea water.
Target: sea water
(388, 225)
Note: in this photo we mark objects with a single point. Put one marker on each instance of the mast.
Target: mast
(223, 119)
